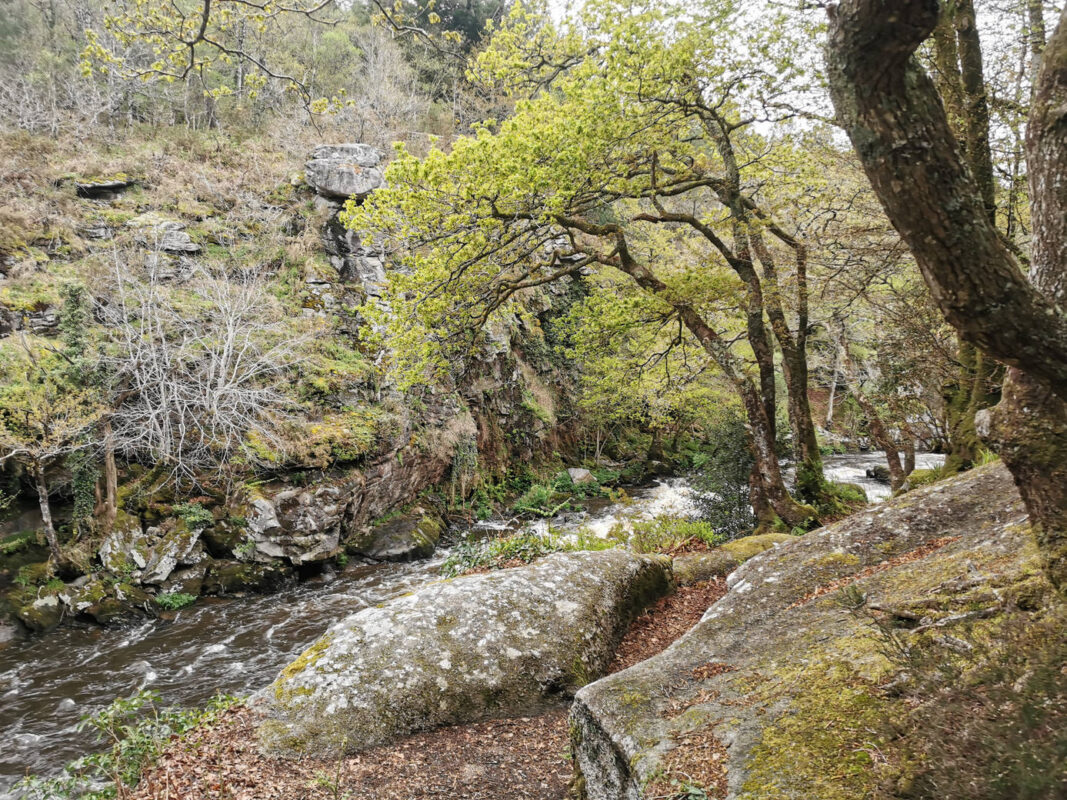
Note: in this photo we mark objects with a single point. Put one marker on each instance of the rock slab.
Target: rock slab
(459, 651)
(715, 698)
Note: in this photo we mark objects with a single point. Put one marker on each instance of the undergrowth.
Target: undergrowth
(662, 535)
(136, 731)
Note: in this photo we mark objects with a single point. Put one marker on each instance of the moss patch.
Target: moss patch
(750, 546)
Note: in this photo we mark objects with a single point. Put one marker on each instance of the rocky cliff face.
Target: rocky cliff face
(299, 518)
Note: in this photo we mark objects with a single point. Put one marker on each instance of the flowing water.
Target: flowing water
(238, 645)
(852, 468)
(234, 646)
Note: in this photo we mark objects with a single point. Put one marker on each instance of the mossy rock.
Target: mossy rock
(786, 685)
(751, 546)
(697, 567)
(222, 538)
(20, 550)
(409, 537)
(42, 614)
(234, 577)
(496, 644)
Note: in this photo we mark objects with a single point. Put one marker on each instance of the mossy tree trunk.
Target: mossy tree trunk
(961, 81)
(897, 123)
(760, 426)
(876, 427)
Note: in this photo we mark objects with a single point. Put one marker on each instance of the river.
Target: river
(238, 645)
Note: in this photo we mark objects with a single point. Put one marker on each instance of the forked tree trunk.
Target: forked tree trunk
(761, 431)
(898, 127)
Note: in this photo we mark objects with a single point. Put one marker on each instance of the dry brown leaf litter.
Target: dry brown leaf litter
(524, 758)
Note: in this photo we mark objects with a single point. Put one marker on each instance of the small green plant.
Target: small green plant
(136, 731)
(194, 515)
(667, 534)
(245, 549)
(525, 546)
(172, 601)
(342, 559)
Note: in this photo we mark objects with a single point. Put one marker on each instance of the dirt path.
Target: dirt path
(523, 758)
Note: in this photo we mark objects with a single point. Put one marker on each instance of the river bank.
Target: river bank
(236, 645)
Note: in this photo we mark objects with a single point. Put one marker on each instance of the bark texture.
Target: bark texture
(46, 511)
(894, 117)
(898, 126)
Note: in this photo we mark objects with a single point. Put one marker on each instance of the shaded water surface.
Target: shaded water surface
(234, 646)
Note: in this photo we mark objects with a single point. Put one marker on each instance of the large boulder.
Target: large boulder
(581, 477)
(41, 614)
(176, 544)
(225, 577)
(461, 650)
(344, 170)
(127, 548)
(782, 688)
(407, 537)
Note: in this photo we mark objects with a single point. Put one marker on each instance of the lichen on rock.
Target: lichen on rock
(461, 650)
(783, 676)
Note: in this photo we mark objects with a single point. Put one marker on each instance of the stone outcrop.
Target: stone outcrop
(581, 477)
(354, 261)
(460, 650)
(102, 188)
(299, 525)
(161, 234)
(749, 702)
(407, 537)
(341, 171)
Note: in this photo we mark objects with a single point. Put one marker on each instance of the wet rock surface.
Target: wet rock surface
(299, 525)
(408, 537)
(459, 651)
(705, 710)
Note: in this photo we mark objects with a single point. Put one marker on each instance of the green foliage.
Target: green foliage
(194, 515)
(84, 476)
(523, 547)
(17, 542)
(542, 500)
(246, 549)
(172, 601)
(667, 534)
(722, 477)
(137, 731)
(34, 574)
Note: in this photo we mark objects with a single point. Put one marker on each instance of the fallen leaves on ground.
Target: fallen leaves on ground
(525, 758)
